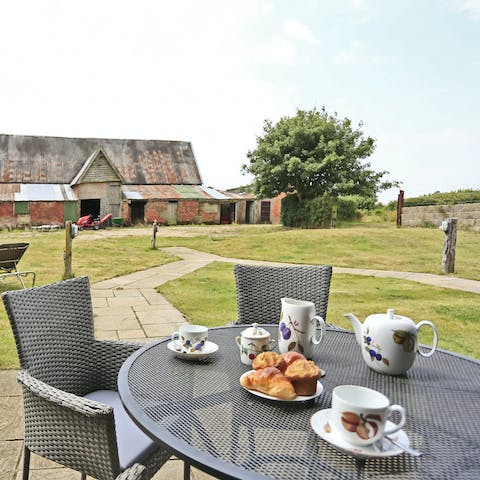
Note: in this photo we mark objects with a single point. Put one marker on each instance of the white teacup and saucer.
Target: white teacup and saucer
(357, 423)
(191, 342)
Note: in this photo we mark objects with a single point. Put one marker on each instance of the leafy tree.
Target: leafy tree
(312, 154)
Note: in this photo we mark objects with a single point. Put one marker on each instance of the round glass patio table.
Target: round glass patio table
(200, 412)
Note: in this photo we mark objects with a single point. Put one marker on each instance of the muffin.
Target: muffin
(304, 375)
(268, 359)
(291, 357)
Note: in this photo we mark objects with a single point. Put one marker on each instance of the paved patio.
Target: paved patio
(128, 307)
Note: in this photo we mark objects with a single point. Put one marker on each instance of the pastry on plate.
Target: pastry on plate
(268, 359)
(269, 380)
(304, 375)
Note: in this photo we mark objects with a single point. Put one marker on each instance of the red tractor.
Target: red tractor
(87, 222)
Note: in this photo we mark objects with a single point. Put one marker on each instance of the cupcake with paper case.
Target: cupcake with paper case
(303, 375)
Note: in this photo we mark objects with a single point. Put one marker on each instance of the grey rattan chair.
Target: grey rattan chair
(61, 362)
(260, 288)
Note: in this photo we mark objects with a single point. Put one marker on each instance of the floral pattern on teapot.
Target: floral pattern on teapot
(373, 349)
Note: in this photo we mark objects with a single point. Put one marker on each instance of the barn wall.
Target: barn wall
(7, 218)
(108, 193)
(156, 210)
(42, 213)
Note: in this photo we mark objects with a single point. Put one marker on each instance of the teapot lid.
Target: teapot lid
(255, 332)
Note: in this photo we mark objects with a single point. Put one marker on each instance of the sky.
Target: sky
(212, 72)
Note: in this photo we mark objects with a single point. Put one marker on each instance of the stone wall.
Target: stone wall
(468, 215)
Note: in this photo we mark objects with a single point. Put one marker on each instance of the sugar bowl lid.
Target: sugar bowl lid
(255, 332)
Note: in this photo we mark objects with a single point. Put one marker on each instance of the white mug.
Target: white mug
(360, 414)
(190, 338)
(297, 327)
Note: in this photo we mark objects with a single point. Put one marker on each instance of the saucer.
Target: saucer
(298, 398)
(322, 424)
(209, 349)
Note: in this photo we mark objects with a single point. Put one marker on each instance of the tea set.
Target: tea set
(358, 421)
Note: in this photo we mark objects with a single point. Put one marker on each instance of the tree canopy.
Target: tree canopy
(312, 154)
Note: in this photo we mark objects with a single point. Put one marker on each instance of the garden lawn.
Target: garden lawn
(99, 259)
(382, 247)
(207, 297)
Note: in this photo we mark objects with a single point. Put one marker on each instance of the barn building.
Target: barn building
(48, 180)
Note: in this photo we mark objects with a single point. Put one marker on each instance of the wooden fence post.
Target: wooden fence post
(67, 254)
(154, 235)
(399, 208)
(449, 227)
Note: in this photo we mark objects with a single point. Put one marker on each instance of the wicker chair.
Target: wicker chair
(260, 288)
(61, 363)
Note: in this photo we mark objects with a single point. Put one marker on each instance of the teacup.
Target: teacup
(190, 338)
(360, 414)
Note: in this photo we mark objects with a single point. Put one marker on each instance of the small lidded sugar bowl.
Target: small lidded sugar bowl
(253, 340)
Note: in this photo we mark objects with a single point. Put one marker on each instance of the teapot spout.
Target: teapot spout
(357, 327)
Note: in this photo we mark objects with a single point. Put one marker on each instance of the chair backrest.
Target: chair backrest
(10, 255)
(260, 288)
(53, 330)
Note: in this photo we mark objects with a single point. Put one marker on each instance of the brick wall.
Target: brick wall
(468, 215)
(156, 210)
(209, 213)
(46, 213)
(7, 218)
(188, 211)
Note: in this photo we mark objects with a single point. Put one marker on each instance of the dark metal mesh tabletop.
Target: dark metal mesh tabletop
(200, 411)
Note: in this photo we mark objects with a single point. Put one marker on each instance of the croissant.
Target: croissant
(268, 359)
(271, 381)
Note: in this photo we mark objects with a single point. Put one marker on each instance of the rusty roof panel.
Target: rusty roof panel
(29, 159)
(8, 191)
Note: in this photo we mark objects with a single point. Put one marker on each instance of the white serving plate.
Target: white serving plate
(298, 398)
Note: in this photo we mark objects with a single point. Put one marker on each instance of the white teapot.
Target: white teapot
(253, 340)
(389, 342)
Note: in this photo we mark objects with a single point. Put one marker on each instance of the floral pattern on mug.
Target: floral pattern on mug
(365, 426)
(373, 349)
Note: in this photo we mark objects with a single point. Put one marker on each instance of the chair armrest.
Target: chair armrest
(110, 355)
(76, 432)
(81, 405)
(135, 472)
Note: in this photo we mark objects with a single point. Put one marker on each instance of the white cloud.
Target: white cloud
(470, 7)
(299, 31)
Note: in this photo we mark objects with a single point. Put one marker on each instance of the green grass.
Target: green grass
(454, 313)
(382, 247)
(376, 246)
(98, 259)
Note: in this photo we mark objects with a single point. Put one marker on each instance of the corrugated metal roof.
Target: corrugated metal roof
(214, 193)
(7, 191)
(15, 192)
(168, 192)
(29, 159)
(44, 192)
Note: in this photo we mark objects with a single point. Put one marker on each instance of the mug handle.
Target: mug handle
(319, 322)
(238, 341)
(435, 337)
(176, 337)
(398, 426)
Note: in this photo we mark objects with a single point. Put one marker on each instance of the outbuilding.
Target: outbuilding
(48, 180)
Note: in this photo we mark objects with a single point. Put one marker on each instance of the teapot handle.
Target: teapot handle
(435, 337)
